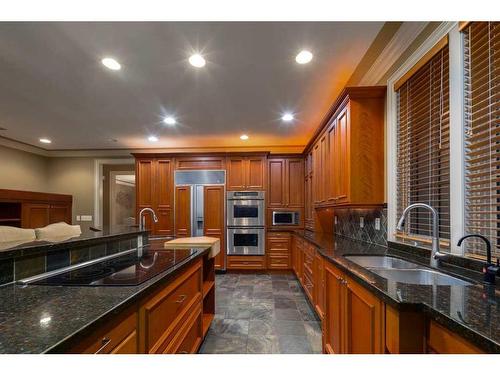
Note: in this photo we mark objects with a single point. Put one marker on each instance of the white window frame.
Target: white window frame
(456, 132)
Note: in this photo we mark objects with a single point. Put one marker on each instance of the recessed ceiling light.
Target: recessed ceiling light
(152, 138)
(111, 63)
(45, 140)
(287, 117)
(169, 120)
(197, 61)
(304, 57)
(244, 137)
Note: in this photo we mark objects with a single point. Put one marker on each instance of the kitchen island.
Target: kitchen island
(162, 314)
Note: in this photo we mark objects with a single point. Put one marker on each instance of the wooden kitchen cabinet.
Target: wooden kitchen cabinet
(35, 215)
(286, 188)
(278, 250)
(297, 256)
(319, 285)
(246, 172)
(442, 341)
(183, 211)
(154, 189)
(213, 226)
(348, 152)
(354, 317)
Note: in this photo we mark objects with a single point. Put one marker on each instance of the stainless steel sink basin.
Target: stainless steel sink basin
(419, 277)
(399, 270)
(381, 261)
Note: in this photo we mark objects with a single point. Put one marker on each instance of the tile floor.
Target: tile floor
(260, 314)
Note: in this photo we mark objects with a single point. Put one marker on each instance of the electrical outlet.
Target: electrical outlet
(77, 217)
(86, 217)
(377, 223)
(336, 220)
(361, 222)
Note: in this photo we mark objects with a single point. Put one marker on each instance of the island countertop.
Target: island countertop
(41, 319)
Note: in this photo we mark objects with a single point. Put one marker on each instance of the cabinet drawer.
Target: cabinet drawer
(167, 308)
(308, 286)
(278, 262)
(308, 261)
(117, 338)
(277, 244)
(278, 235)
(188, 338)
(250, 262)
(442, 341)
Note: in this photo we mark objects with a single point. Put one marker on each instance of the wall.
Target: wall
(21, 170)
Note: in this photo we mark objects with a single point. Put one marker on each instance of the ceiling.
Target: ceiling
(54, 85)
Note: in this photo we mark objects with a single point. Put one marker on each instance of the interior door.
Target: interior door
(183, 211)
(213, 202)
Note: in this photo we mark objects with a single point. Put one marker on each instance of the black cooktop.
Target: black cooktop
(128, 269)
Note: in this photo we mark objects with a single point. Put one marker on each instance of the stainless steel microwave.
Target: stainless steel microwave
(286, 218)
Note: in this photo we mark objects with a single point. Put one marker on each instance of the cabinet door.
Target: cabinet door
(213, 226)
(163, 183)
(319, 285)
(145, 182)
(332, 322)
(316, 174)
(295, 186)
(276, 171)
(59, 212)
(332, 188)
(325, 173)
(165, 224)
(235, 173)
(364, 333)
(35, 215)
(255, 173)
(183, 211)
(342, 157)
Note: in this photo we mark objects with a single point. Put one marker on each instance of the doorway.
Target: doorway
(118, 195)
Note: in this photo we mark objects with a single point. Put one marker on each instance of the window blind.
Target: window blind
(423, 147)
(481, 41)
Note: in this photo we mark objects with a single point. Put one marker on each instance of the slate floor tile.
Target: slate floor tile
(220, 345)
(229, 328)
(289, 344)
(289, 327)
(261, 328)
(288, 314)
(262, 345)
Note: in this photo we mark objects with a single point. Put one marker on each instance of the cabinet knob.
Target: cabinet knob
(104, 343)
(181, 299)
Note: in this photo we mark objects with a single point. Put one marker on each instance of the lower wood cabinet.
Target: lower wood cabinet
(278, 250)
(169, 320)
(246, 262)
(442, 341)
(354, 317)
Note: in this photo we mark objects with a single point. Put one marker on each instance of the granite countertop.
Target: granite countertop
(471, 311)
(18, 249)
(40, 319)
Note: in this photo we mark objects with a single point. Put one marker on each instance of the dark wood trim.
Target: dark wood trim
(32, 196)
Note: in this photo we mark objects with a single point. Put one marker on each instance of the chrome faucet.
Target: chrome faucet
(436, 255)
(142, 218)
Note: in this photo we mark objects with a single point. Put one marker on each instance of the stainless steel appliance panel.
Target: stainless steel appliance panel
(246, 241)
(286, 218)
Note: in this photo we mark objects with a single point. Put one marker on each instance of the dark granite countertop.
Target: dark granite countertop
(88, 237)
(40, 319)
(471, 311)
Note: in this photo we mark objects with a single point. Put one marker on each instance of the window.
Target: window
(423, 145)
(481, 42)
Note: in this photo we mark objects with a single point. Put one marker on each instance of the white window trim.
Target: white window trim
(456, 133)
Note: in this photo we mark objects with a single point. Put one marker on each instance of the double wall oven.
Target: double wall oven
(245, 222)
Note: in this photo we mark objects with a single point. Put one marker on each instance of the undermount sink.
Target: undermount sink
(399, 270)
(381, 261)
(419, 277)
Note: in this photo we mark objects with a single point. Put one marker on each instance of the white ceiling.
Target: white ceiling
(53, 84)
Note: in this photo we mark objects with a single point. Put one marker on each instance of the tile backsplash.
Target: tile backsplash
(361, 224)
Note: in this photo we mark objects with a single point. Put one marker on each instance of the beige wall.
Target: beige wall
(20, 170)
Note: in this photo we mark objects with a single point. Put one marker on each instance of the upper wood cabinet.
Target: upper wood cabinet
(348, 153)
(286, 187)
(246, 172)
(154, 189)
(182, 211)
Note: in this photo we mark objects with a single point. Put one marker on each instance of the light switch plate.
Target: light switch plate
(336, 220)
(77, 217)
(86, 217)
(361, 222)
(377, 223)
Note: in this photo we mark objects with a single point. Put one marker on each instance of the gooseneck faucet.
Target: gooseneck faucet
(490, 270)
(142, 218)
(436, 255)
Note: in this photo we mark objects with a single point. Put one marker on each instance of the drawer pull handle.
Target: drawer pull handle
(104, 343)
(183, 352)
(181, 299)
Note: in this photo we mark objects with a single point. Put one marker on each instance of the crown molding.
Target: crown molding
(118, 153)
(406, 34)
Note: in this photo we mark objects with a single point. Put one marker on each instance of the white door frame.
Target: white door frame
(98, 163)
